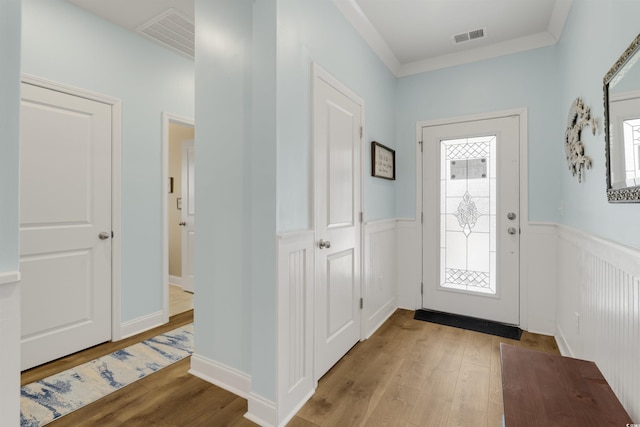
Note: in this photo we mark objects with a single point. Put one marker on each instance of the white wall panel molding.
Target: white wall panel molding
(598, 309)
(10, 354)
(538, 271)
(262, 411)
(380, 274)
(295, 317)
(223, 376)
(409, 259)
(141, 324)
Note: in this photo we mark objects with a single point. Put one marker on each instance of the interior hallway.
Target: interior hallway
(409, 373)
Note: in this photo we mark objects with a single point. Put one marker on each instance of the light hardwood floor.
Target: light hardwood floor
(409, 373)
(179, 300)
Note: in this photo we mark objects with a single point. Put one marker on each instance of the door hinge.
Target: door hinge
(361, 217)
(361, 303)
(421, 288)
(420, 142)
(112, 235)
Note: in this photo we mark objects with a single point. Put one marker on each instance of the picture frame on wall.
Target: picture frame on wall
(383, 161)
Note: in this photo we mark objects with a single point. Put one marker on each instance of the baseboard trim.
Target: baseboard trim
(406, 302)
(175, 280)
(383, 314)
(141, 324)
(563, 346)
(262, 411)
(223, 376)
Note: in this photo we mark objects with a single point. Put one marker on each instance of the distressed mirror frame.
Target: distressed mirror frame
(623, 194)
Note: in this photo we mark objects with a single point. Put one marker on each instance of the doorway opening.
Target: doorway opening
(178, 136)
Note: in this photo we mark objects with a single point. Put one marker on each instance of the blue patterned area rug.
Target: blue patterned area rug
(49, 399)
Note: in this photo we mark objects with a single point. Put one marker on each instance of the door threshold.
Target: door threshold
(469, 323)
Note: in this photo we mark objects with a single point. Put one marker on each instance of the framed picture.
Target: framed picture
(383, 161)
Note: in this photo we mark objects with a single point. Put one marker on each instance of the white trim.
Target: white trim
(563, 345)
(354, 14)
(175, 280)
(559, 17)
(116, 187)
(378, 261)
(141, 324)
(295, 325)
(262, 411)
(167, 118)
(522, 113)
(509, 47)
(223, 376)
(624, 258)
(9, 277)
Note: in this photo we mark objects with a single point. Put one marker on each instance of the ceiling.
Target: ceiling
(409, 36)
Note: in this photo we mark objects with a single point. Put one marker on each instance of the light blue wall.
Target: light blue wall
(223, 265)
(9, 143)
(253, 109)
(10, 11)
(315, 31)
(595, 35)
(65, 44)
(263, 209)
(528, 79)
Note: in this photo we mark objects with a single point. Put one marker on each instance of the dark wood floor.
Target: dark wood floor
(409, 373)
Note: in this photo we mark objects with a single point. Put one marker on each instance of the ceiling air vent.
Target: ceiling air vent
(469, 35)
(172, 30)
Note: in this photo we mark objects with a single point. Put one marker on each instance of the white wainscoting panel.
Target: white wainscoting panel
(295, 281)
(380, 274)
(10, 354)
(538, 273)
(599, 309)
(409, 258)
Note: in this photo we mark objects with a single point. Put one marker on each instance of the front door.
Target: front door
(188, 214)
(65, 224)
(471, 230)
(337, 121)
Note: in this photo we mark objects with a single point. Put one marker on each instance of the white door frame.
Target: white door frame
(167, 118)
(522, 113)
(318, 72)
(116, 187)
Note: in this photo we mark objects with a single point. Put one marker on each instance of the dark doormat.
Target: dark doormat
(470, 323)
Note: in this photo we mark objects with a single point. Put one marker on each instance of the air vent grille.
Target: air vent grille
(173, 30)
(480, 33)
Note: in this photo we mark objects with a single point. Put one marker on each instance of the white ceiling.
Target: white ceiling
(410, 36)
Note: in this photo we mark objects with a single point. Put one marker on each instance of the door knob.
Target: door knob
(511, 216)
(182, 224)
(324, 244)
(511, 230)
(104, 235)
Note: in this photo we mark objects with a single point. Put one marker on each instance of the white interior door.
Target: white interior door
(188, 214)
(471, 231)
(337, 127)
(65, 224)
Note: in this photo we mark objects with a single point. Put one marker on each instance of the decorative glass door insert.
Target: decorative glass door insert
(468, 214)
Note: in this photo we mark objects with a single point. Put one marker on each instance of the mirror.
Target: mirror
(622, 126)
